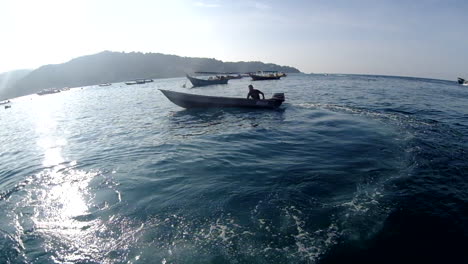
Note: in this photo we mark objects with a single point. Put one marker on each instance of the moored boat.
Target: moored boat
(227, 75)
(265, 76)
(105, 84)
(238, 76)
(137, 81)
(202, 82)
(463, 81)
(4, 102)
(48, 91)
(186, 100)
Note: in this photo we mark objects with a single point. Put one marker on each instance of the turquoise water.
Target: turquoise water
(351, 168)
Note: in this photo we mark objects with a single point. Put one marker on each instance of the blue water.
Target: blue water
(357, 169)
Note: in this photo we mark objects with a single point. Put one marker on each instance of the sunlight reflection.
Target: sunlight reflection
(64, 215)
(61, 215)
(61, 202)
(49, 135)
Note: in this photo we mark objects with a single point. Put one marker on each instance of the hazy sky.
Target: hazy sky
(400, 37)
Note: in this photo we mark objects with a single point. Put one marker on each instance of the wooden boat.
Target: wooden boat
(202, 82)
(263, 77)
(48, 91)
(138, 81)
(238, 76)
(463, 81)
(228, 75)
(186, 100)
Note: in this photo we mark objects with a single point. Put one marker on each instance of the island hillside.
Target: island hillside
(110, 67)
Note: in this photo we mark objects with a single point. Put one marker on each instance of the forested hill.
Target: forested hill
(8, 80)
(111, 67)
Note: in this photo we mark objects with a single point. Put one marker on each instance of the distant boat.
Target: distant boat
(5, 102)
(238, 76)
(462, 81)
(227, 75)
(149, 80)
(262, 76)
(138, 81)
(48, 91)
(202, 82)
(7, 106)
(186, 100)
(105, 84)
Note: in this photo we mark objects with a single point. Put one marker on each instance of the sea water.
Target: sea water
(350, 169)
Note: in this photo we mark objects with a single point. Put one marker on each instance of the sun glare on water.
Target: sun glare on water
(61, 199)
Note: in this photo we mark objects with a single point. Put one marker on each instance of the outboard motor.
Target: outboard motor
(278, 96)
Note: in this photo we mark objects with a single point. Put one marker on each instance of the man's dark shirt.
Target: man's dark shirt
(255, 94)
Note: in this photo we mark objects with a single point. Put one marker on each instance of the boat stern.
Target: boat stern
(278, 97)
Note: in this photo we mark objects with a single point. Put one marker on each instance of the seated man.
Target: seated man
(255, 94)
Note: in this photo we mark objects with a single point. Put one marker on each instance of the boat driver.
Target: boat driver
(254, 93)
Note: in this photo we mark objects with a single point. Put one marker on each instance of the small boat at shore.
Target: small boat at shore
(202, 82)
(186, 100)
(138, 81)
(263, 76)
(231, 77)
(105, 84)
(5, 102)
(48, 91)
(462, 81)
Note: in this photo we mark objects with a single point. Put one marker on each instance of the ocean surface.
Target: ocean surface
(351, 169)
